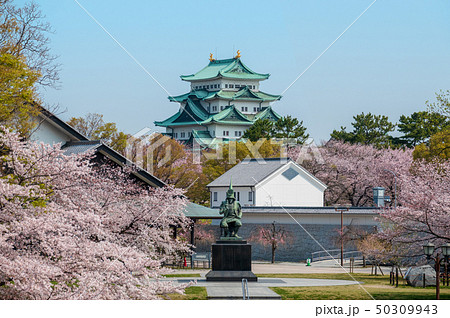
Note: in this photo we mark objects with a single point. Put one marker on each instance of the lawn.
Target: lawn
(191, 293)
(377, 286)
(182, 275)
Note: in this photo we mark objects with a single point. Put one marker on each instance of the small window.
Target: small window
(238, 196)
(175, 135)
(182, 135)
(215, 196)
(221, 107)
(290, 174)
(226, 133)
(254, 109)
(250, 196)
(226, 85)
(237, 86)
(231, 86)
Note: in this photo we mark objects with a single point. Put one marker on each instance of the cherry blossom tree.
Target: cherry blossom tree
(423, 214)
(351, 170)
(271, 235)
(72, 230)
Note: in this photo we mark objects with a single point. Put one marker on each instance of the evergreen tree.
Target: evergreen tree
(262, 128)
(291, 128)
(420, 126)
(368, 129)
(285, 127)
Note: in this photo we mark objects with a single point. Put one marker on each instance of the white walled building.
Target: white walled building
(269, 182)
(224, 101)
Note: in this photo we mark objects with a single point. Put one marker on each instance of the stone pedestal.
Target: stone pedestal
(231, 261)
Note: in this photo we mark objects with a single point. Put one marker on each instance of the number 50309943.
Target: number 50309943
(406, 309)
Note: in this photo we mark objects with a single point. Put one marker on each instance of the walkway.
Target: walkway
(321, 267)
(261, 290)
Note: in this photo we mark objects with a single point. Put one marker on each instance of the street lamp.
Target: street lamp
(428, 250)
(342, 208)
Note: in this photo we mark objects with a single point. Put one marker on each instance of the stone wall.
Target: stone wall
(300, 247)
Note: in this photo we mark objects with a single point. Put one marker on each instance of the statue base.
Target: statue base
(231, 261)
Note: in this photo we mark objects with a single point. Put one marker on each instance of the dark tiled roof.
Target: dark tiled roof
(249, 172)
(252, 171)
(77, 147)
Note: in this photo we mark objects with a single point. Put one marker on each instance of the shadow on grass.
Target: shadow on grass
(377, 286)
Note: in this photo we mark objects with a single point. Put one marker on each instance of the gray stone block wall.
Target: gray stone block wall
(298, 249)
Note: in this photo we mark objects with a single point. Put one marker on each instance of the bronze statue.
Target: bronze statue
(232, 214)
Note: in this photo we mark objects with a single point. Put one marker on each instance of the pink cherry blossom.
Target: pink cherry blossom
(71, 229)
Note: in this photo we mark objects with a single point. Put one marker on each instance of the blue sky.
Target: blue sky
(393, 59)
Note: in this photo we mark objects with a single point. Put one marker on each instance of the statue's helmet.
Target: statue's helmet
(230, 192)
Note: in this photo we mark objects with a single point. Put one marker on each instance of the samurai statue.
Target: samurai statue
(232, 214)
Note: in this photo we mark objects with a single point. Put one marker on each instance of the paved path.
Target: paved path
(296, 268)
(259, 289)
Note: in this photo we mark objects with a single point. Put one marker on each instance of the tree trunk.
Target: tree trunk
(273, 253)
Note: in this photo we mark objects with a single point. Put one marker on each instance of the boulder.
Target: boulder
(414, 276)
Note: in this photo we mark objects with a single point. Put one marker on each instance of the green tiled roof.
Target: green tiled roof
(243, 94)
(229, 68)
(230, 115)
(199, 93)
(191, 114)
(267, 113)
(194, 114)
(204, 139)
(195, 211)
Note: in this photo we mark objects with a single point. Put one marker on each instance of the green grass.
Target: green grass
(377, 286)
(182, 275)
(191, 293)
